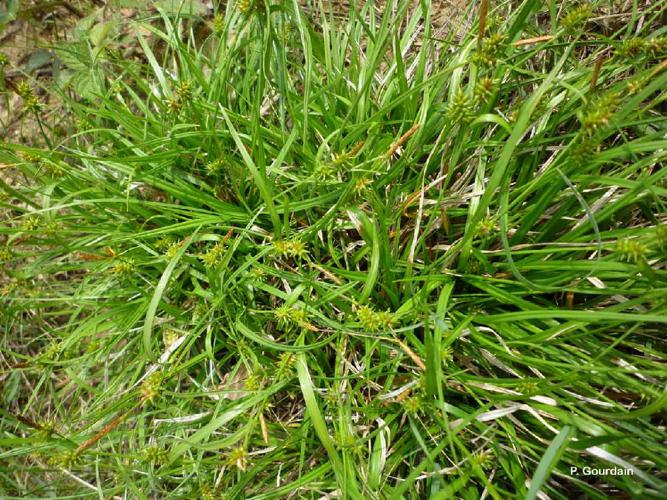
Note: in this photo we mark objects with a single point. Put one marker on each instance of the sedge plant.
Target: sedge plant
(282, 253)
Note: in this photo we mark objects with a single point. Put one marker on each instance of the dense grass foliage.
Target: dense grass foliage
(282, 254)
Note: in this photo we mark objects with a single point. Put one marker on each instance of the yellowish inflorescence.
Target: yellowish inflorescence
(374, 321)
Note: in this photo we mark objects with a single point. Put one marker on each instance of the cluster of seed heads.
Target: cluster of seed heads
(124, 268)
(362, 185)
(486, 226)
(287, 315)
(343, 158)
(256, 274)
(255, 381)
(583, 148)
(155, 455)
(249, 6)
(238, 457)
(10, 287)
(30, 99)
(5, 254)
(151, 387)
(52, 168)
(66, 459)
(30, 157)
(374, 321)
(169, 336)
(172, 250)
(51, 352)
(446, 355)
(290, 248)
(206, 492)
(183, 92)
(490, 50)
(286, 34)
(635, 85)
(576, 17)
(285, 367)
(328, 170)
(412, 405)
(216, 167)
(652, 47)
(47, 427)
(599, 113)
(164, 243)
(32, 223)
(485, 459)
(214, 255)
(324, 171)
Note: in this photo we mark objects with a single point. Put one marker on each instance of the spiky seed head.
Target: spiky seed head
(169, 336)
(184, 90)
(374, 321)
(173, 104)
(32, 223)
(155, 455)
(599, 113)
(172, 250)
(30, 157)
(238, 457)
(5, 254)
(164, 243)
(33, 104)
(255, 381)
(631, 47)
(24, 90)
(256, 273)
(527, 387)
(631, 250)
(245, 6)
(656, 47)
(290, 248)
(285, 367)
(460, 108)
(485, 88)
(362, 185)
(324, 171)
(446, 355)
(219, 24)
(124, 268)
(66, 459)
(282, 314)
(485, 459)
(151, 387)
(412, 405)
(577, 17)
(214, 255)
(486, 226)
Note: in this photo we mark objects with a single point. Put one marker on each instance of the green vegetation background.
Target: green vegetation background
(256, 251)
